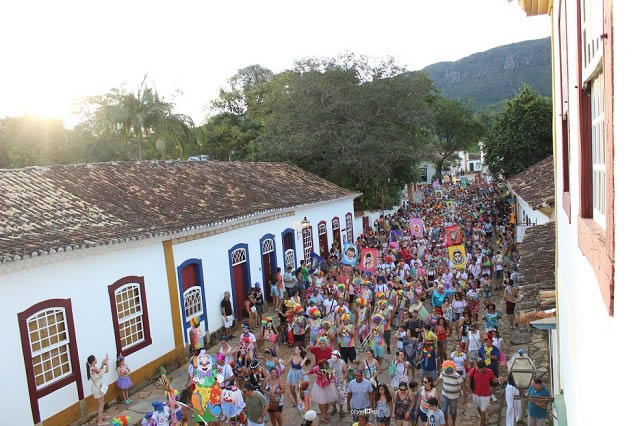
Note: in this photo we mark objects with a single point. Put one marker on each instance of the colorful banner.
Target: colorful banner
(350, 254)
(452, 235)
(316, 262)
(416, 226)
(450, 208)
(369, 260)
(458, 256)
(439, 194)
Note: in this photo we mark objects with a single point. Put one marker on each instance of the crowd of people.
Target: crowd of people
(347, 327)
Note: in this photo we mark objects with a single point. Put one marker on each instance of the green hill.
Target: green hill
(490, 77)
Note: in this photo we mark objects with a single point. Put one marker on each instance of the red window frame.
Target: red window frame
(563, 115)
(596, 244)
(146, 341)
(76, 375)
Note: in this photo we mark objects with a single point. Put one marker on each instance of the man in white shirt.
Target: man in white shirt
(330, 304)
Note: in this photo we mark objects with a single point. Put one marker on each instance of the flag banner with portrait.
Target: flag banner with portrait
(458, 256)
(439, 194)
(452, 235)
(450, 206)
(416, 226)
(350, 254)
(369, 260)
(317, 263)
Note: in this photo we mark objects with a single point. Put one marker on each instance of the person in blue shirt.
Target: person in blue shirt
(537, 409)
(429, 359)
(437, 299)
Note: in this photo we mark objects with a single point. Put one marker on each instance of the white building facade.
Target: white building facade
(134, 294)
(594, 87)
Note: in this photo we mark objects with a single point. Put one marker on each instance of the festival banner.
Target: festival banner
(369, 260)
(435, 184)
(439, 194)
(458, 256)
(350, 254)
(316, 262)
(452, 235)
(416, 226)
(450, 208)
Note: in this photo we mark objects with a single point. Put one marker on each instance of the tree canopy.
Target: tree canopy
(353, 122)
(521, 134)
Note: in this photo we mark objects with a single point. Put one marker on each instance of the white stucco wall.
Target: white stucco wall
(524, 210)
(213, 251)
(590, 340)
(84, 280)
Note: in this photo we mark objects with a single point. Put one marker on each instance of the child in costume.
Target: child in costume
(362, 325)
(124, 381)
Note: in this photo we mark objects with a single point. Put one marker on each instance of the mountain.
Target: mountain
(490, 77)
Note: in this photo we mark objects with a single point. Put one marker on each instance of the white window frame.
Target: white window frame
(307, 243)
(348, 218)
(192, 298)
(598, 151)
(322, 229)
(289, 258)
(592, 27)
(44, 350)
(268, 246)
(335, 224)
(238, 256)
(137, 316)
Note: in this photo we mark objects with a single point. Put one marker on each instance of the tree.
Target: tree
(245, 91)
(455, 129)
(139, 118)
(351, 121)
(521, 134)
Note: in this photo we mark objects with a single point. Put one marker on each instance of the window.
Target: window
(289, 258)
(307, 243)
(322, 228)
(595, 111)
(49, 350)
(193, 303)
(49, 346)
(349, 221)
(335, 224)
(238, 256)
(129, 315)
(598, 150)
(267, 246)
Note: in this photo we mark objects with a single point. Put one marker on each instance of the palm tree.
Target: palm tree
(140, 116)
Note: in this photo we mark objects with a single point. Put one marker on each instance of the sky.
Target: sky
(55, 53)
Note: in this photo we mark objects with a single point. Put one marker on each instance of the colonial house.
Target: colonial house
(594, 126)
(533, 196)
(117, 258)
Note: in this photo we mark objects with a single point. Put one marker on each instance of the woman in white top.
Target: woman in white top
(401, 369)
(95, 374)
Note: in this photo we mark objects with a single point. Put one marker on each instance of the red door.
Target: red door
(365, 224)
(335, 226)
(324, 246)
(239, 290)
(266, 272)
(288, 242)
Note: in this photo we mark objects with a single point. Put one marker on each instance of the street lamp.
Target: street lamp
(522, 368)
(305, 223)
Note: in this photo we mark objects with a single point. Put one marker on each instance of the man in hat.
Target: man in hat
(347, 339)
(452, 389)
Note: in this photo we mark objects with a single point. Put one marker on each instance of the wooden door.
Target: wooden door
(239, 290)
(323, 240)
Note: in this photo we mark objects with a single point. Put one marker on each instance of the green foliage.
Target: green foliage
(355, 123)
(455, 129)
(139, 119)
(493, 76)
(521, 134)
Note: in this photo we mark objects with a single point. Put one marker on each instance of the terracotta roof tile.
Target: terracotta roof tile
(49, 209)
(537, 266)
(535, 184)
